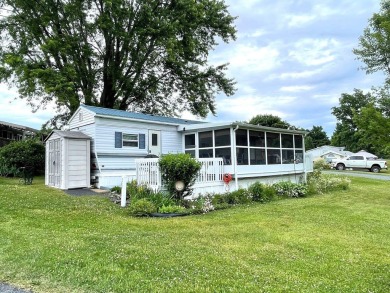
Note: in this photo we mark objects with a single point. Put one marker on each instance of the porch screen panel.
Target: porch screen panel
(205, 139)
(273, 156)
(287, 141)
(288, 156)
(242, 156)
(222, 137)
(241, 137)
(273, 140)
(298, 141)
(257, 156)
(256, 138)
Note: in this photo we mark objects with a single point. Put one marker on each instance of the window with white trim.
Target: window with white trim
(130, 140)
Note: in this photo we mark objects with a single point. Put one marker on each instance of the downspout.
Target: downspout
(304, 158)
(235, 157)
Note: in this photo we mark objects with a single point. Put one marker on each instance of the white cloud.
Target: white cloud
(246, 106)
(17, 111)
(296, 88)
(295, 74)
(312, 52)
(254, 59)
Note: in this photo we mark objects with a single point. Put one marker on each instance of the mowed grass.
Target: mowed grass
(339, 242)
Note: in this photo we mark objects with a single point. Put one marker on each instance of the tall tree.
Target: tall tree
(346, 132)
(374, 44)
(374, 129)
(270, 121)
(316, 137)
(150, 56)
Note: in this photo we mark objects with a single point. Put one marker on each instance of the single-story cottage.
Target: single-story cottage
(123, 143)
(328, 153)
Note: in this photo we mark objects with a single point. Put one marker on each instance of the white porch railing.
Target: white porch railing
(148, 172)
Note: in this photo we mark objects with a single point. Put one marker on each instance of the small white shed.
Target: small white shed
(68, 160)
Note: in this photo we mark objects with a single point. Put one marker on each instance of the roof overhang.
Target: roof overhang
(236, 125)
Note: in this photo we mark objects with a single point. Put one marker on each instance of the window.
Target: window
(189, 144)
(130, 140)
(154, 139)
(189, 141)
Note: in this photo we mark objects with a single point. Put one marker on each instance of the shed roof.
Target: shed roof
(105, 112)
(69, 134)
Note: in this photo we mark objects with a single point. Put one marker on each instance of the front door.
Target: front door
(155, 142)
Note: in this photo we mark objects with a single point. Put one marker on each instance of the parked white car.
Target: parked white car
(359, 162)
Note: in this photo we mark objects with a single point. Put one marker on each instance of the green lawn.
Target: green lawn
(338, 242)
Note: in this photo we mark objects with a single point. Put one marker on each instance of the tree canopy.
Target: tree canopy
(270, 121)
(374, 44)
(346, 132)
(316, 137)
(364, 121)
(149, 56)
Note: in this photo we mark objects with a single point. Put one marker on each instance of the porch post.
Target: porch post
(235, 157)
(123, 191)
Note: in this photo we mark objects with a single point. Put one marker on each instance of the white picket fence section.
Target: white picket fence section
(148, 172)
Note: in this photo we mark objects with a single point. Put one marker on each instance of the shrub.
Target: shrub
(175, 167)
(22, 153)
(290, 189)
(321, 164)
(161, 199)
(261, 192)
(135, 191)
(142, 207)
(202, 204)
(172, 209)
(323, 183)
(240, 196)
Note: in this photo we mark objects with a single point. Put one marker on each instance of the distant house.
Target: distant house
(122, 144)
(11, 132)
(328, 153)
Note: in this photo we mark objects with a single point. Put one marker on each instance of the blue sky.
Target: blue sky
(292, 58)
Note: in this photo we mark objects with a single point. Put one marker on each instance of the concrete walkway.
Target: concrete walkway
(376, 176)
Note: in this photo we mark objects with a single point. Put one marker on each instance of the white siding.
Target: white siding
(123, 159)
(78, 174)
(87, 118)
(171, 142)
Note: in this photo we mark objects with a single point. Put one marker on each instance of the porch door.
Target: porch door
(154, 142)
(54, 165)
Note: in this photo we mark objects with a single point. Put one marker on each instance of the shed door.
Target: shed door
(155, 142)
(55, 162)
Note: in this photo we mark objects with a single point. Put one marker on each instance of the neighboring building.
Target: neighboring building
(120, 140)
(11, 132)
(328, 153)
